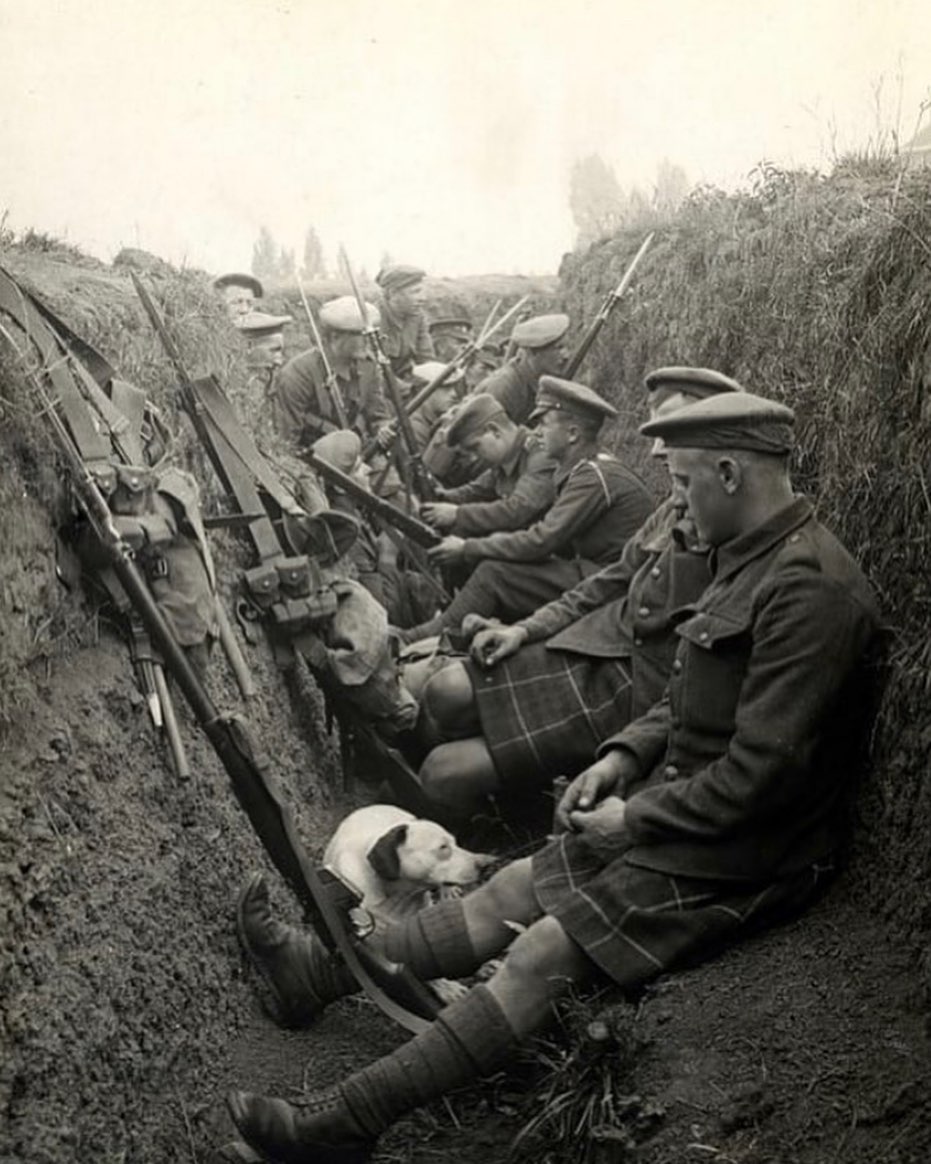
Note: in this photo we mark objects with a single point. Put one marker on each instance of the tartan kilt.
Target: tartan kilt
(544, 712)
(635, 923)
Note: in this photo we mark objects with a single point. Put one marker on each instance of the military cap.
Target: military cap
(541, 331)
(341, 449)
(475, 413)
(259, 325)
(398, 275)
(554, 394)
(430, 369)
(698, 382)
(343, 314)
(236, 279)
(451, 323)
(729, 420)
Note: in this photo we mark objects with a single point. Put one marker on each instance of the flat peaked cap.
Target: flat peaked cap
(540, 331)
(700, 382)
(259, 324)
(730, 420)
(341, 449)
(398, 275)
(453, 323)
(430, 369)
(554, 394)
(237, 279)
(475, 413)
(343, 314)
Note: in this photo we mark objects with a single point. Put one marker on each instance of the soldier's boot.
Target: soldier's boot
(300, 972)
(340, 1125)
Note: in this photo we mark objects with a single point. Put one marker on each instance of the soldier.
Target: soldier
(599, 504)
(302, 406)
(536, 698)
(450, 334)
(427, 418)
(539, 352)
(516, 486)
(405, 335)
(264, 336)
(239, 293)
(719, 810)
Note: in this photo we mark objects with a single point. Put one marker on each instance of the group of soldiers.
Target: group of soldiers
(701, 668)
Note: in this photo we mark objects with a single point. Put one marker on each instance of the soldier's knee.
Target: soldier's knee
(447, 695)
(544, 952)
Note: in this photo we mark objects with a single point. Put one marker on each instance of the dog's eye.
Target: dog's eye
(444, 851)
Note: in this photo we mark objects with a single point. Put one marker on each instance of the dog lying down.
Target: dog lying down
(398, 863)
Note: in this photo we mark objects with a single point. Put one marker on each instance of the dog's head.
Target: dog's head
(423, 852)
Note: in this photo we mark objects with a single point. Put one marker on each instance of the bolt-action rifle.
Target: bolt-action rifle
(408, 1001)
(610, 302)
(422, 479)
(332, 386)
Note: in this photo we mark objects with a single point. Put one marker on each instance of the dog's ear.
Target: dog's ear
(383, 855)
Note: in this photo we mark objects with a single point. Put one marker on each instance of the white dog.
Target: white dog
(396, 861)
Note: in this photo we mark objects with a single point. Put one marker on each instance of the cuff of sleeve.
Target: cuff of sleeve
(643, 765)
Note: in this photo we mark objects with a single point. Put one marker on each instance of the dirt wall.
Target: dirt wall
(814, 291)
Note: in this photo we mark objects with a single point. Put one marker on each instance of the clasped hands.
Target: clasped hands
(591, 809)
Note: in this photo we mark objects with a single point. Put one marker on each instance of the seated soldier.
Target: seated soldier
(599, 505)
(303, 408)
(516, 486)
(538, 697)
(540, 352)
(722, 808)
(429, 416)
(406, 595)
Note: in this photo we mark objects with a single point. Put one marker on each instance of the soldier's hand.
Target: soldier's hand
(495, 643)
(386, 436)
(594, 783)
(601, 829)
(448, 551)
(440, 514)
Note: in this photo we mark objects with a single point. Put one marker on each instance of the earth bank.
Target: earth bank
(126, 1007)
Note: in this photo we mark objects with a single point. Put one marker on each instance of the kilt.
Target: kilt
(544, 712)
(635, 923)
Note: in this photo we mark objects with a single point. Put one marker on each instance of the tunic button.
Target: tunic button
(643, 611)
(655, 572)
(638, 642)
(703, 635)
(677, 666)
(670, 771)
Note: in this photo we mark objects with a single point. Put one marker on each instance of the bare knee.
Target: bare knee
(458, 775)
(544, 956)
(509, 895)
(448, 697)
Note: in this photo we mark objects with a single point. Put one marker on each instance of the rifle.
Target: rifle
(336, 397)
(422, 479)
(460, 360)
(604, 311)
(253, 784)
(412, 527)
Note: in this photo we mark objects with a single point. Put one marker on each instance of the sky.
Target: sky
(441, 132)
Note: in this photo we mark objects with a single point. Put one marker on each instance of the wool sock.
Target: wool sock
(468, 1039)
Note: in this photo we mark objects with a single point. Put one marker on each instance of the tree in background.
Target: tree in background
(313, 266)
(264, 255)
(286, 265)
(671, 188)
(595, 198)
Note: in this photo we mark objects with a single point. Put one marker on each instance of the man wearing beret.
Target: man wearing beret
(302, 407)
(239, 293)
(536, 698)
(599, 505)
(540, 351)
(405, 334)
(720, 809)
(517, 484)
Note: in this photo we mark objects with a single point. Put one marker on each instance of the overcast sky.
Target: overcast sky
(442, 131)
